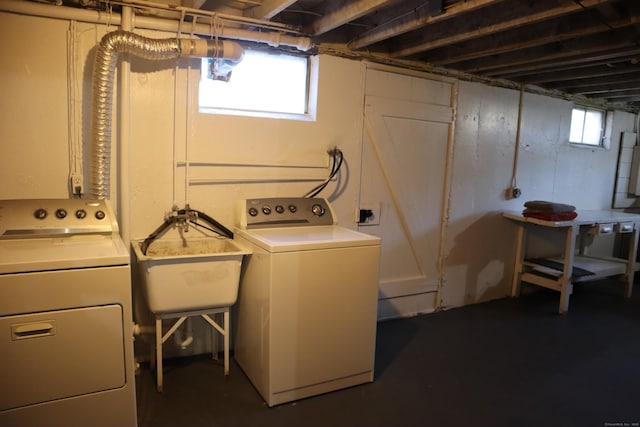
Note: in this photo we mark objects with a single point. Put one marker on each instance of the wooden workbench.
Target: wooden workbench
(575, 265)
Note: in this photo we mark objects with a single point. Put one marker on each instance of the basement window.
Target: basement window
(590, 127)
(263, 84)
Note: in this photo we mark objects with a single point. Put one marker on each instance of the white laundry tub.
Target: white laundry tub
(190, 275)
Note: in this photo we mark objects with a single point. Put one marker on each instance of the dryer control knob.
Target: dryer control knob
(253, 211)
(266, 210)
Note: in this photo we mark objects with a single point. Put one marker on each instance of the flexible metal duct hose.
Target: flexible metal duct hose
(111, 45)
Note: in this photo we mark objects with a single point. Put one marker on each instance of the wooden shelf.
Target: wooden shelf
(600, 267)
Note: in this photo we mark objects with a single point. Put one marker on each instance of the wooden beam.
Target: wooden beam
(580, 73)
(518, 47)
(609, 87)
(562, 49)
(627, 99)
(345, 13)
(616, 94)
(501, 25)
(269, 8)
(568, 61)
(417, 19)
(594, 83)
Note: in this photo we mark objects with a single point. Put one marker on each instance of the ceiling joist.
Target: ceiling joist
(571, 47)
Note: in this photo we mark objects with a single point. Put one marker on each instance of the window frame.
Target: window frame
(604, 138)
(311, 97)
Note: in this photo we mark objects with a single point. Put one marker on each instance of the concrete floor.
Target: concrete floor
(510, 362)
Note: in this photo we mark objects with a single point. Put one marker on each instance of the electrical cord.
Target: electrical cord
(337, 158)
(317, 189)
(216, 226)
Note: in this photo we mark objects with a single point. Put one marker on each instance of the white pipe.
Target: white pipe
(188, 339)
(272, 38)
(142, 329)
(186, 142)
(187, 123)
(200, 13)
(125, 133)
(514, 173)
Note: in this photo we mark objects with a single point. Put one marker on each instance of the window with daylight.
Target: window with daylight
(263, 84)
(589, 127)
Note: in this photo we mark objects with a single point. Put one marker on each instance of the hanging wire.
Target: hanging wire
(109, 8)
(337, 158)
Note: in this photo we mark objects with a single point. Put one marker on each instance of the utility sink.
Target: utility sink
(190, 275)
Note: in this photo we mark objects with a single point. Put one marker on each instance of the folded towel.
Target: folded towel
(546, 216)
(548, 207)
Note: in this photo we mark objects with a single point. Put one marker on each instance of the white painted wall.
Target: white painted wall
(35, 153)
(34, 156)
(548, 169)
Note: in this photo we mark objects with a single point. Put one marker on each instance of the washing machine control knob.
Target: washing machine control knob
(253, 211)
(61, 213)
(266, 210)
(81, 214)
(317, 209)
(293, 208)
(40, 213)
(279, 209)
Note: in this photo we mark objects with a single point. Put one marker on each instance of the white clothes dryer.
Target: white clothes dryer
(307, 304)
(66, 341)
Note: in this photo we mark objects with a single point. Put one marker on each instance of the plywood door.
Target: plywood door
(405, 157)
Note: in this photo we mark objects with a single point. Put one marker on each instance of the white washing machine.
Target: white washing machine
(66, 343)
(307, 304)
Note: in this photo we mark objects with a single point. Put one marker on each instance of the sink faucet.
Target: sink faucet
(182, 217)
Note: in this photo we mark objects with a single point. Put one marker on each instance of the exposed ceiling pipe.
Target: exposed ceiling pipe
(110, 47)
(273, 37)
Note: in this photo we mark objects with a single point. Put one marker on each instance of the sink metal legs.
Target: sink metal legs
(224, 330)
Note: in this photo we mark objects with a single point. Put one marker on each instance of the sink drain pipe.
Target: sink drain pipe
(111, 46)
(183, 340)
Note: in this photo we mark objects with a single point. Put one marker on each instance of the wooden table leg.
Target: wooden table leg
(517, 269)
(631, 260)
(566, 287)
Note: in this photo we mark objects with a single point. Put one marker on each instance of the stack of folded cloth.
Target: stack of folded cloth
(549, 211)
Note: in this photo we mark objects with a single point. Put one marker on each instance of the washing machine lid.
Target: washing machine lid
(291, 239)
